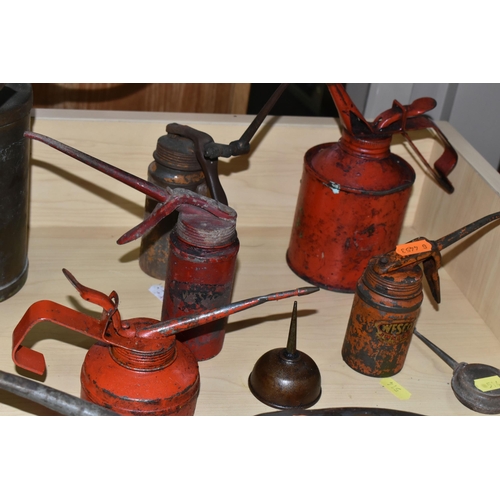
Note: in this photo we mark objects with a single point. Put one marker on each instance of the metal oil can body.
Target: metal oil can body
(165, 382)
(351, 204)
(16, 100)
(383, 316)
(200, 277)
(175, 166)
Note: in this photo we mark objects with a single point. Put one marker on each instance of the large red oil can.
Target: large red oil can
(353, 193)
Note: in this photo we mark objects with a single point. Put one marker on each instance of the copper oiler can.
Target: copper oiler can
(383, 315)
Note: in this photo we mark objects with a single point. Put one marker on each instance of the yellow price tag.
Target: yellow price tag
(488, 383)
(393, 387)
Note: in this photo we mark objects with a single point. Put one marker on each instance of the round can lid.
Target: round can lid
(16, 101)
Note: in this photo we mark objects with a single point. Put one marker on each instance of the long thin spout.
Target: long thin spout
(176, 325)
(453, 237)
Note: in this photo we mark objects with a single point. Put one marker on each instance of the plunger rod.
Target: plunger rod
(177, 325)
(447, 359)
(169, 198)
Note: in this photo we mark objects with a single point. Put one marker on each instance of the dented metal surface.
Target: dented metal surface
(353, 194)
(137, 366)
(387, 302)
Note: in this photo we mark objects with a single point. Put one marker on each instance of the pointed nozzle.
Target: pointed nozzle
(177, 325)
(291, 346)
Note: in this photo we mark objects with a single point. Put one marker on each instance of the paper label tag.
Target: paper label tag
(393, 387)
(487, 383)
(157, 291)
(414, 247)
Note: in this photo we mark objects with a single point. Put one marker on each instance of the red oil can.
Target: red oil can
(387, 302)
(200, 275)
(353, 193)
(136, 367)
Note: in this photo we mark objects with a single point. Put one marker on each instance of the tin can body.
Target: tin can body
(108, 380)
(350, 207)
(16, 100)
(382, 320)
(199, 279)
(175, 166)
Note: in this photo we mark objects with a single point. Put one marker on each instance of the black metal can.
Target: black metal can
(16, 101)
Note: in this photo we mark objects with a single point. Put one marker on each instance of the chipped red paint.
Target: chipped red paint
(200, 276)
(354, 192)
(350, 207)
(136, 367)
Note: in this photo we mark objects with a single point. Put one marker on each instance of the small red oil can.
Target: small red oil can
(200, 275)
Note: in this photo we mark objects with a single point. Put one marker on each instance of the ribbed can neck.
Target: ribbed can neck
(202, 229)
(403, 284)
(373, 147)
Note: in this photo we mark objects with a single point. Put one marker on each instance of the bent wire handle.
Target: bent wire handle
(42, 311)
(445, 164)
(59, 401)
(401, 119)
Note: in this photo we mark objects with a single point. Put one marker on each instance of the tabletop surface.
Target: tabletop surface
(78, 214)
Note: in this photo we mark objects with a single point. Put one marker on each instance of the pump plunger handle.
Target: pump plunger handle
(242, 146)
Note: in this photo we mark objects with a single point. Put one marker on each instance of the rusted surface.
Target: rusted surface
(353, 194)
(175, 165)
(388, 299)
(464, 380)
(383, 314)
(339, 224)
(286, 378)
(199, 279)
(137, 367)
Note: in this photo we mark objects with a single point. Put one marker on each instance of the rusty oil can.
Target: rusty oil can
(137, 366)
(16, 100)
(353, 193)
(388, 299)
(175, 165)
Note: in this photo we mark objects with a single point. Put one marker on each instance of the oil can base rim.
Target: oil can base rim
(12, 288)
(324, 286)
(282, 407)
(371, 374)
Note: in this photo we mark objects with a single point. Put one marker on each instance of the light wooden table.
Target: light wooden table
(77, 214)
